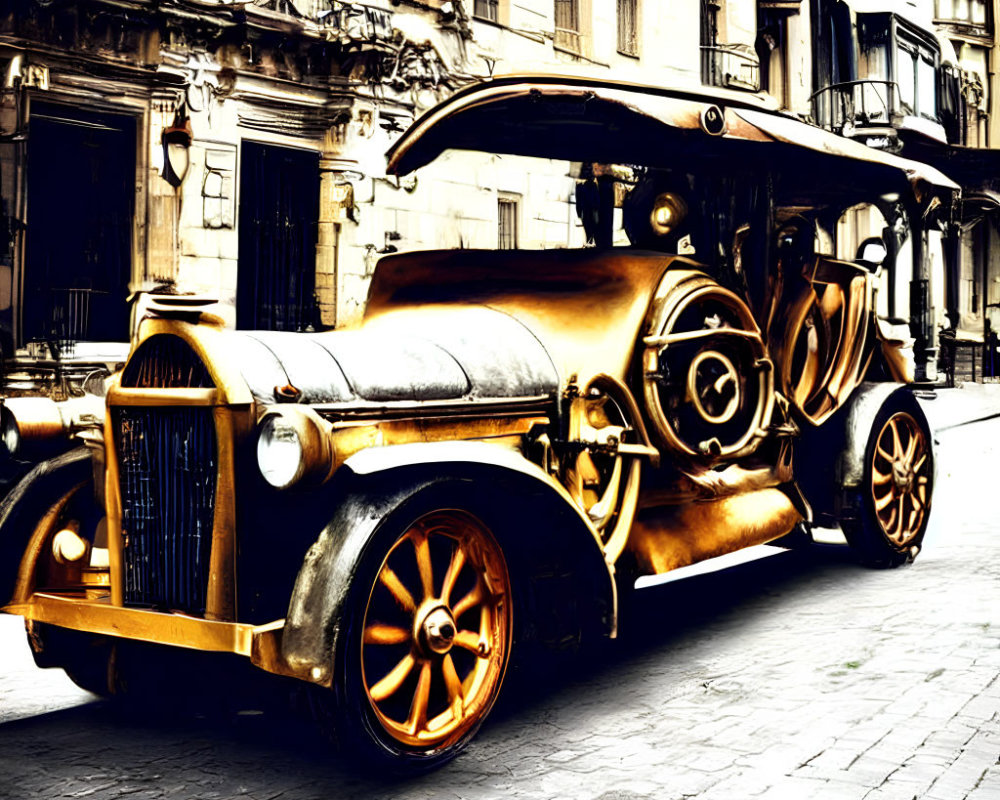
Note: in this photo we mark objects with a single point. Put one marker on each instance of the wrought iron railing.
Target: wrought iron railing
(567, 39)
(856, 104)
(68, 318)
(733, 66)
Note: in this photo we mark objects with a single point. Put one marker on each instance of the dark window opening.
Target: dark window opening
(833, 44)
(770, 47)
(78, 259)
(279, 209)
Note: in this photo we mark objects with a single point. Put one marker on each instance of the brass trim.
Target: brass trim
(232, 405)
(692, 386)
(210, 346)
(164, 397)
(97, 615)
(35, 418)
(220, 594)
(449, 409)
(104, 618)
(663, 340)
(677, 293)
(220, 597)
(113, 509)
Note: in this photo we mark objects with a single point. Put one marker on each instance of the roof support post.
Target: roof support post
(921, 325)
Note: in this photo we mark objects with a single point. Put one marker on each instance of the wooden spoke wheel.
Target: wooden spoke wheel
(436, 633)
(900, 478)
(893, 503)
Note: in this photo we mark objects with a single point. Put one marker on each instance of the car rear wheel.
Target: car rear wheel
(897, 488)
(428, 640)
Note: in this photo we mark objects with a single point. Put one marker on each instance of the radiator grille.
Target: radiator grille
(166, 362)
(168, 462)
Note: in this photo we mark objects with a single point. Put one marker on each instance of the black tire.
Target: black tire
(91, 674)
(425, 635)
(85, 657)
(892, 505)
(25, 505)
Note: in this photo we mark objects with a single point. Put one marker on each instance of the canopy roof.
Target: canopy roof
(583, 119)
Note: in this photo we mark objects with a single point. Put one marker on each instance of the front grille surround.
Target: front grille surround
(166, 362)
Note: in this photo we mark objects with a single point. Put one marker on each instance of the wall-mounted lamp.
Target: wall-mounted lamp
(176, 144)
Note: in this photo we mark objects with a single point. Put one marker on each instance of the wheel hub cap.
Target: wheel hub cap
(437, 631)
(902, 476)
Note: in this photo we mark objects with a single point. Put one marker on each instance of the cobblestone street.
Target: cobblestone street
(801, 675)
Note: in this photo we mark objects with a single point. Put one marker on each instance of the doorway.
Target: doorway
(279, 212)
(78, 244)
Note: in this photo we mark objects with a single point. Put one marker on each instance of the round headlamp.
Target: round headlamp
(291, 445)
(280, 454)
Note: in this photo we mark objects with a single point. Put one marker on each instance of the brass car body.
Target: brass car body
(620, 412)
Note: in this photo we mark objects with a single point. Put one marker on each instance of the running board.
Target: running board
(710, 565)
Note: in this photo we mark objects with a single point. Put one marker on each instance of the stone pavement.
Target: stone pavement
(798, 676)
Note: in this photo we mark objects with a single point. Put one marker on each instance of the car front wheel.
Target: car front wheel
(428, 640)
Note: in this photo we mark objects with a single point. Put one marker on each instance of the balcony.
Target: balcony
(732, 66)
(872, 110)
(855, 106)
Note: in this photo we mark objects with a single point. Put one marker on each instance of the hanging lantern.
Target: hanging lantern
(176, 142)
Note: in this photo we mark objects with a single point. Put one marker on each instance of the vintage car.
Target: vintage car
(511, 438)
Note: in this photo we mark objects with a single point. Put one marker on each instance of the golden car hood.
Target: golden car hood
(587, 307)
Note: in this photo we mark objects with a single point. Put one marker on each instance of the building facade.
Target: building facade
(237, 149)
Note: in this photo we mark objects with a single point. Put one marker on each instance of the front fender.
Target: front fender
(534, 519)
(830, 458)
(28, 502)
(868, 400)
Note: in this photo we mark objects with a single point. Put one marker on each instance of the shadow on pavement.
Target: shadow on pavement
(656, 619)
(207, 746)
